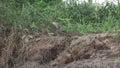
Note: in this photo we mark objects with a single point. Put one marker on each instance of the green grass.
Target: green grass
(92, 28)
(38, 15)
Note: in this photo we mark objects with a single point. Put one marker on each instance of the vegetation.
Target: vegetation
(38, 14)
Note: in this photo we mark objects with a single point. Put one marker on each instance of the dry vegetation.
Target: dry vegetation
(32, 51)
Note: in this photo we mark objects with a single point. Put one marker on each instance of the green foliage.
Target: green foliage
(38, 15)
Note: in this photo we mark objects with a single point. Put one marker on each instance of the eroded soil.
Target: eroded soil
(77, 51)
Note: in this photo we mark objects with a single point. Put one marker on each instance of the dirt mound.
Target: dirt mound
(60, 51)
(74, 51)
(46, 49)
(97, 63)
(84, 47)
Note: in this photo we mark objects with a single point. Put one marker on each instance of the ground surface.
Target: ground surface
(62, 51)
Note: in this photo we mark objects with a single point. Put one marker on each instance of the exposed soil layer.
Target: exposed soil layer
(74, 51)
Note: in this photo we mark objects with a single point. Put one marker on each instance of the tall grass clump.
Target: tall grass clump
(87, 17)
(34, 16)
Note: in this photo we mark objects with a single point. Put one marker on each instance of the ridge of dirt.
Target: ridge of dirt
(74, 51)
(83, 48)
(96, 63)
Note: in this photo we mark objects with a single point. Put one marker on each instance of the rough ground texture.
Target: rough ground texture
(63, 51)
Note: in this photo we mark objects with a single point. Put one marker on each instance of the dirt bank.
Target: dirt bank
(76, 51)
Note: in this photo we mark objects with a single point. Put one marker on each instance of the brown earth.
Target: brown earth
(61, 51)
